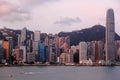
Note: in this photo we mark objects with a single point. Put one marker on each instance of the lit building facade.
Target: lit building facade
(6, 50)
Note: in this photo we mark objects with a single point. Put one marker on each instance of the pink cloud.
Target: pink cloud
(5, 8)
(11, 12)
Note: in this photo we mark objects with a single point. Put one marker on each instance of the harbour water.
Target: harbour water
(60, 73)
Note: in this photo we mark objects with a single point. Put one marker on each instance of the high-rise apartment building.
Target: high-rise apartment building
(6, 47)
(73, 49)
(23, 48)
(82, 52)
(42, 52)
(46, 41)
(23, 36)
(1, 51)
(36, 45)
(67, 40)
(99, 47)
(37, 36)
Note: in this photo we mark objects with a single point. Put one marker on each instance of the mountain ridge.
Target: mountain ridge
(94, 33)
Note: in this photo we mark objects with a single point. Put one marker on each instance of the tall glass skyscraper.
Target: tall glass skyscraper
(42, 52)
(110, 36)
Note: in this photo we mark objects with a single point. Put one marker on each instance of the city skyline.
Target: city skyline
(53, 16)
(59, 39)
(53, 49)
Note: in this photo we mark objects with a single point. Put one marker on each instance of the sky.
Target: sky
(54, 16)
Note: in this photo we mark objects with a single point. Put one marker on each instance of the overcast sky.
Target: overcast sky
(53, 16)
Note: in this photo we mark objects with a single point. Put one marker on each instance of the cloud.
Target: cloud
(10, 12)
(34, 2)
(19, 10)
(68, 21)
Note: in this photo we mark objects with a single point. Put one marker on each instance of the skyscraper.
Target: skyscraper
(110, 36)
(42, 52)
(82, 52)
(6, 46)
(23, 36)
(37, 36)
(1, 51)
(23, 53)
(36, 45)
(99, 46)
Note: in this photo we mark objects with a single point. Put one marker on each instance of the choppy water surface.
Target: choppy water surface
(59, 73)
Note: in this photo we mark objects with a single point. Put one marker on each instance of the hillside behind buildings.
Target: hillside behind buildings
(96, 32)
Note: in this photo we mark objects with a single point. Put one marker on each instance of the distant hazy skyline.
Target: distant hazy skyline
(53, 16)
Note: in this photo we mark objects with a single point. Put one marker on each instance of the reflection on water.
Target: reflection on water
(111, 73)
(38, 72)
(59, 73)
